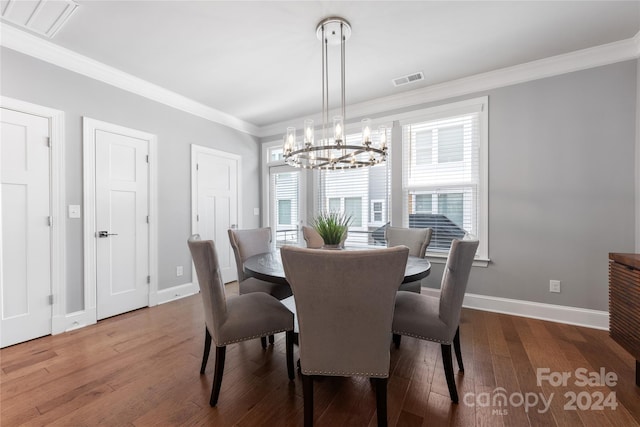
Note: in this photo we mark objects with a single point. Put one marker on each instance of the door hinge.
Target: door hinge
(147, 158)
(148, 279)
(48, 141)
(197, 166)
(148, 219)
(198, 218)
(49, 221)
(51, 299)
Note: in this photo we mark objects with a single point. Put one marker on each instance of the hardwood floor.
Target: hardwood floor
(142, 369)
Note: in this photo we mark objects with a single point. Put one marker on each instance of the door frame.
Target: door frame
(89, 126)
(195, 150)
(57, 205)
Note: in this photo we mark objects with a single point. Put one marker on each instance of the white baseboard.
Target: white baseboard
(80, 319)
(554, 313)
(176, 292)
(71, 321)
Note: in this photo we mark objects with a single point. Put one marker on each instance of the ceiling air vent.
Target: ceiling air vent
(44, 17)
(411, 78)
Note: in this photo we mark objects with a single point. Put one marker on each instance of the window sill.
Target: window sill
(435, 258)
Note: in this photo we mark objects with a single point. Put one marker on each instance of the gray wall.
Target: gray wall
(28, 79)
(561, 185)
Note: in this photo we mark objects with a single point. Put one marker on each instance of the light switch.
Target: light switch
(74, 211)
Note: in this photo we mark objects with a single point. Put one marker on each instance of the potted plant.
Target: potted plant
(332, 226)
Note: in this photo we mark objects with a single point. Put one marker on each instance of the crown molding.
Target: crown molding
(44, 50)
(610, 53)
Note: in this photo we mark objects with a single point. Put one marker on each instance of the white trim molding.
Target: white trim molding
(177, 292)
(535, 310)
(58, 200)
(26, 43)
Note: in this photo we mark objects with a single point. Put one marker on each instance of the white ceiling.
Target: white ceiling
(260, 61)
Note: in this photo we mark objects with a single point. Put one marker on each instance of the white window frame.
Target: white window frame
(481, 105)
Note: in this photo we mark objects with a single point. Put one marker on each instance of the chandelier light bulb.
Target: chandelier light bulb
(338, 128)
(366, 132)
(382, 131)
(308, 132)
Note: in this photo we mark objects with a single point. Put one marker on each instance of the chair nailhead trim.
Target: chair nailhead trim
(348, 374)
(265, 334)
(407, 334)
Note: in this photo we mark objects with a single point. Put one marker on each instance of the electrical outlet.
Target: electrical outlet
(179, 271)
(554, 286)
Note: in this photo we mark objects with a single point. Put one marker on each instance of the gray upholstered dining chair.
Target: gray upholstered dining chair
(437, 319)
(245, 244)
(417, 240)
(312, 238)
(344, 303)
(234, 319)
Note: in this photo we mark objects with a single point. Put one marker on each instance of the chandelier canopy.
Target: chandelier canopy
(333, 151)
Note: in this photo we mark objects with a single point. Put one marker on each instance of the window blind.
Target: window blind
(441, 176)
(362, 193)
(285, 191)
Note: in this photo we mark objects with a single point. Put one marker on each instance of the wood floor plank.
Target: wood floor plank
(142, 369)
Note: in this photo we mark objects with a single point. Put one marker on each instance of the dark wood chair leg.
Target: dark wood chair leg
(207, 349)
(271, 339)
(456, 348)
(448, 371)
(263, 341)
(381, 401)
(396, 340)
(289, 350)
(217, 375)
(307, 393)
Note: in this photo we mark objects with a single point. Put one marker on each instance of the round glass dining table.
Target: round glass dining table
(268, 267)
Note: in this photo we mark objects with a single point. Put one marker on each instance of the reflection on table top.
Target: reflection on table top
(268, 266)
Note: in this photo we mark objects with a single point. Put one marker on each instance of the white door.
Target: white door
(287, 204)
(26, 233)
(122, 229)
(216, 203)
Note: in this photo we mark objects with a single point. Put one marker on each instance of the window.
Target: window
(444, 173)
(377, 212)
(335, 204)
(353, 208)
(439, 180)
(276, 154)
(352, 191)
(284, 212)
(285, 186)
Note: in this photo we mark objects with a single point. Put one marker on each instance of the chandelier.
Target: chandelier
(333, 151)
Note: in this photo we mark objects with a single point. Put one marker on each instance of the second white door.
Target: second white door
(122, 229)
(216, 202)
